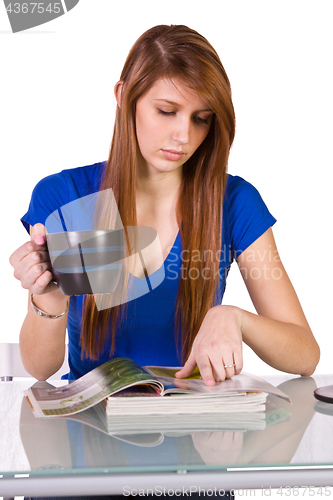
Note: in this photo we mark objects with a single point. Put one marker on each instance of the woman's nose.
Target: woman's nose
(181, 132)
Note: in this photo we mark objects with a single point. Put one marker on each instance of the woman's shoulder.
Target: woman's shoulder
(92, 172)
(239, 193)
(236, 184)
(245, 213)
(81, 180)
(59, 190)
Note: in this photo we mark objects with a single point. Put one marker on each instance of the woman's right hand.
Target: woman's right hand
(31, 263)
(219, 448)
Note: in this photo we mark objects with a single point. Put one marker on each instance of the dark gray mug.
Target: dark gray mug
(86, 262)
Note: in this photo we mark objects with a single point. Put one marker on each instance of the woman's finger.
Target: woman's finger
(205, 369)
(38, 233)
(43, 284)
(229, 365)
(238, 358)
(30, 264)
(29, 278)
(188, 367)
(21, 252)
(218, 370)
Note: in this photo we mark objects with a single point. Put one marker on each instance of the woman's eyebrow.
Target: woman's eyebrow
(169, 102)
(177, 104)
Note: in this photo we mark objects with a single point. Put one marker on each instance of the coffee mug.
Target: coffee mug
(86, 262)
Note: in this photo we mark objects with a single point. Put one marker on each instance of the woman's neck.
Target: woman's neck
(156, 205)
(158, 186)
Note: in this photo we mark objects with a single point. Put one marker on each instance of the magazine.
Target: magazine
(121, 383)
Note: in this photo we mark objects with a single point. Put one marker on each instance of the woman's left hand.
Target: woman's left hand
(217, 348)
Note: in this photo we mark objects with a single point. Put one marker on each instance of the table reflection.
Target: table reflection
(68, 444)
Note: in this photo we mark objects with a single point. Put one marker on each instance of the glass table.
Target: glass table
(292, 446)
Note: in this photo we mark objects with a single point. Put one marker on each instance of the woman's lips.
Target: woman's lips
(172, 154)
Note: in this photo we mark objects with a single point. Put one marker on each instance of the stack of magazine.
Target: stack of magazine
(120, 397)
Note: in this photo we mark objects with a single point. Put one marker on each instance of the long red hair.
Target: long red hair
(182, 53)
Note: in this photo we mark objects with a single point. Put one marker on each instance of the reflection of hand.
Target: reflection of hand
(219, 448)
(181, 384)
(278, 443)
(218, 344)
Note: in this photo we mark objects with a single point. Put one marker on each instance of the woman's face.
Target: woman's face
(171, 123)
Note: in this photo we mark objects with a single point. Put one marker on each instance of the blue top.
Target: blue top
(147, 335)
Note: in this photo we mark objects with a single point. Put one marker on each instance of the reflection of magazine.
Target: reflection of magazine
(147, 431)
(241, 393)
(150, 430)
(194, 422)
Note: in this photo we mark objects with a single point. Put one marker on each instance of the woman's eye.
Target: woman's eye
(166, 113)
(197, 119)
(201, 120)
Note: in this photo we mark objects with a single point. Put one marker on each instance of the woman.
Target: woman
(167, 168)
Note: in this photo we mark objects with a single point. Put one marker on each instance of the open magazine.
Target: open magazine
(126, 388)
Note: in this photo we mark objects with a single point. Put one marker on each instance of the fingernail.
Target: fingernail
(210, 382)
(40, 240)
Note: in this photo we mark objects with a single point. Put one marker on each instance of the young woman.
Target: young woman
(167, 168)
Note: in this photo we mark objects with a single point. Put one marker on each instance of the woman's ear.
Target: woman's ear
(118, 88)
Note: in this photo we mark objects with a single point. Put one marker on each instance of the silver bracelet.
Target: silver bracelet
(43, 313)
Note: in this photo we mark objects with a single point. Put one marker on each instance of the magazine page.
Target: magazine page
(109, 378)
(244, 382)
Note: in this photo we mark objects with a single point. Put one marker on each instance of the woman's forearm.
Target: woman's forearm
(42, 340)
(284, 346)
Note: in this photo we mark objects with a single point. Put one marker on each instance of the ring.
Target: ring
(230, 366)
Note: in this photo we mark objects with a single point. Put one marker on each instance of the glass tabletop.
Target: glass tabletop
(297, 434)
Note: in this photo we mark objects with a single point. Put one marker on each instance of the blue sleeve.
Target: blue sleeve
(49, 194)
(247, 215)
(69, 196)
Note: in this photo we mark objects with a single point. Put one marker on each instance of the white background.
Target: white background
(57, 112)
